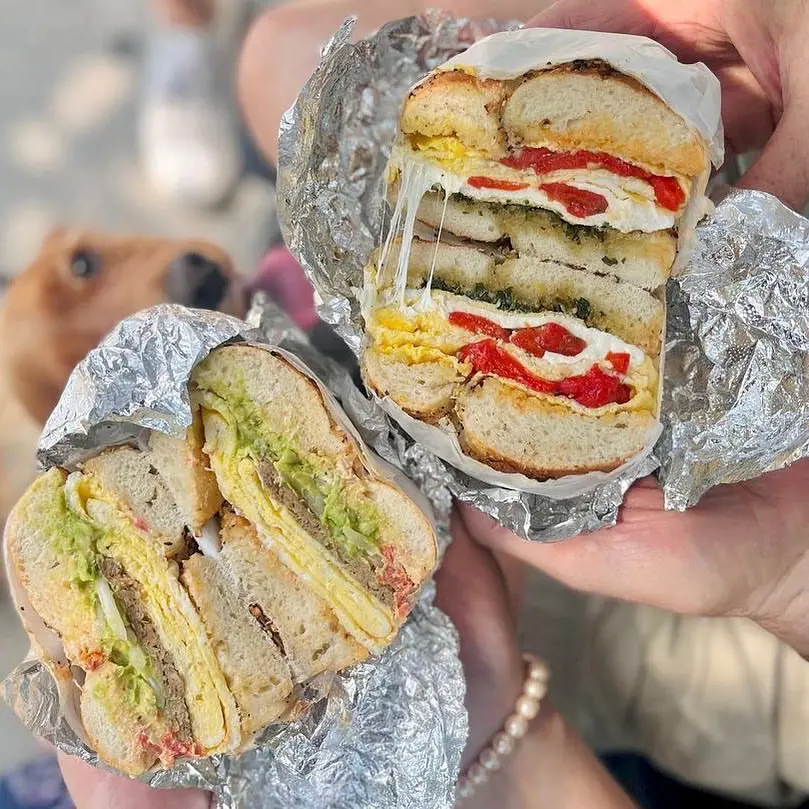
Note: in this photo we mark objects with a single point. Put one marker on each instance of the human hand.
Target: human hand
(481, 596)
(757, 50)
(91, 788)
(551, 767)
(744, 550)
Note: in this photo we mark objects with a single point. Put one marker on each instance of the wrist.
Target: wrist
(528, 771)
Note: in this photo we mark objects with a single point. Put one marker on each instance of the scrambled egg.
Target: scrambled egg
(447, 150)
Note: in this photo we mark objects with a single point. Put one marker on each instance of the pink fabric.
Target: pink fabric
(283, 279)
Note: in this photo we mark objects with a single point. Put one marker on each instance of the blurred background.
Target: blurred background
(71, 88)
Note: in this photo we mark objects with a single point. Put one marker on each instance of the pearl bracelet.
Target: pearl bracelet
(514, 728)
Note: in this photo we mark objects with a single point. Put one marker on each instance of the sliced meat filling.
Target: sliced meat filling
(128, 595)
(361, 569)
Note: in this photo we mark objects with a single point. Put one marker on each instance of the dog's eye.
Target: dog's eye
(85, 263)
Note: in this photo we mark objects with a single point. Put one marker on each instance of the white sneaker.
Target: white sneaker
(189, 134)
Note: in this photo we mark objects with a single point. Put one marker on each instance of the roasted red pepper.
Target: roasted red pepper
(491, 182)
(619, 361)
(478, 325)
(551, 337)
(595, 388)
(668, 192)
(577, 201)
(486, 357)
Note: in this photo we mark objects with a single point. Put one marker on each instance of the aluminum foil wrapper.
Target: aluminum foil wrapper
(386, 733)
(736, 396)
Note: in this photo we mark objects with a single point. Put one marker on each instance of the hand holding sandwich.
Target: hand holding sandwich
(755, 47)
(743, 551)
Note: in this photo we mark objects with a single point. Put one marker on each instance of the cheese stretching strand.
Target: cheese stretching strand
(516, 301)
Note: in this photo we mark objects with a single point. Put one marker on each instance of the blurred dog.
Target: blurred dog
(77, 289)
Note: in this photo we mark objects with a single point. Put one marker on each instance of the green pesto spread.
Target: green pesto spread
(507, 300)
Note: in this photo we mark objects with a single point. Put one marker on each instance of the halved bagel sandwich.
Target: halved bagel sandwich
(515, 305)
(581, 139)
(194, 585)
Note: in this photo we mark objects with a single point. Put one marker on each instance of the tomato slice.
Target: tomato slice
(619, 361)
(491, 182)
(478, 325)
(548, 337)
(595, 388)
(668, 192)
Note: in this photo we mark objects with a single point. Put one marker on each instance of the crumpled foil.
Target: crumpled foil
(736, 394)
(386, 733)
(736, 384)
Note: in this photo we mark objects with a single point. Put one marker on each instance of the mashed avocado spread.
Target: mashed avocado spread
(76, 538)
(351, 522)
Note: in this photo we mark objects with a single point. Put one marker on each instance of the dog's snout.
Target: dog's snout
(196, 280)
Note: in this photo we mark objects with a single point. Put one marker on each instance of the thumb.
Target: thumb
(612, 16)
(92, 788)
(782, 168)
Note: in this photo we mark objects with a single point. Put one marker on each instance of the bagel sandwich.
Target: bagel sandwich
(194, 585)
(516, 300)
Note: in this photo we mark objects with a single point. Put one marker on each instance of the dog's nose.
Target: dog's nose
(196, 280)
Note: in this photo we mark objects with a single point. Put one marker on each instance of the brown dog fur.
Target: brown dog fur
(50, 319)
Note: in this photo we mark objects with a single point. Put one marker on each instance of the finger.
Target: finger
(782, 168)
(92, 788)
(747, 114)
(644, 558)
(614, 16)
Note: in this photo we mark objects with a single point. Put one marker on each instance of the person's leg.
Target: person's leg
(283, 46)
(189, 136)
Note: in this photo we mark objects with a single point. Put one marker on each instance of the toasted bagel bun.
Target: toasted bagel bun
(513, 431)
(579, 106)
(455, 104)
